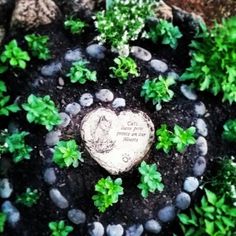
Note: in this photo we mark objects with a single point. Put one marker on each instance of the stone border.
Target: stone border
(76, 216)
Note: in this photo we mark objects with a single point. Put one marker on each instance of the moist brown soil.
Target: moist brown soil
(77, 184)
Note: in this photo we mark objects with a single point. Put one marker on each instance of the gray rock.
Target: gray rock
(65, 120)
(173, 75)
(202, 127)
(52, 138)
(104, 95)
(199, 166)
(152, 226)
(200, 108)
(191, 184)
(96, 51)
(86, 100)
(61, 81)
(158, 107)
(2, 33)
(76, 216)
(141, 53)
(188, 92)
(5, 188)
(119, 102)
(49, 176)
(202, 147)
(51, 69)
(73, 108)
(159, 66)
(167, 214)
(134, 230)
(183, 201)
(13, 215)
(73, 55)
(58, 199)
(96, 229)
(115, 230)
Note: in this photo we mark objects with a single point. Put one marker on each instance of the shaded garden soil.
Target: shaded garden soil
(78, 184)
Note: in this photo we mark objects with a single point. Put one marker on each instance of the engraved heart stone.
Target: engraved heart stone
(117, 142)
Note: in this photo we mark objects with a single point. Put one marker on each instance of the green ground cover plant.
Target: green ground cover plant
(165, 32)
(67, 154)
(13, 56)
(16, 145)
(76, 26)
(6, 109)
(151, 179)
(29, 198)
(107, 193)
(179, 139)
(122, 22)
(213, 59)
(38, 45)
(124, 68)
(158, 90)
(213, 217)
(229, 132)
(79, 73)
(59, 228)
(3, 219)
(42, 110)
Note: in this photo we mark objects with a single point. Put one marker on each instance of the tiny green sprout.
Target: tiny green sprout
(42, 110)
(5, 109)
(3, 219)
(229, 132)
(158, 90)
(59, 228)
(15, 144)
(38, 45)
(183, 138)
(76, 26)
(13, 56)
(151, 179)
(108, 192)
(67, 153)
(29, 198)
(166, 32)
(80, 73)
(125, 67)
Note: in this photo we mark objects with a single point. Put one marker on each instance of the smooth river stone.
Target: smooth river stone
(117, 142)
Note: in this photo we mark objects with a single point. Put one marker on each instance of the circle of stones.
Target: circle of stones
(76, 216)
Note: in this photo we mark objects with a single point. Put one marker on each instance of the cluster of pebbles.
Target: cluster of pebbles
(106, 96)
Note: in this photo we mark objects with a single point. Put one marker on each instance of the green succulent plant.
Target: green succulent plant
(6, 109)
(13, 56)
(15, 144)
(165, 32)
(158, 90)
(125, 67)
(80, 73)
(3, 219)
(38, 44)
(42, 110)
(29, 198)
(229, 132)
(66, 154)
(59, 228)
(108, 192)
(76, 26)
(151, 179)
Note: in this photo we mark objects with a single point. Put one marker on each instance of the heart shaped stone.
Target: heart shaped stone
(117, 142)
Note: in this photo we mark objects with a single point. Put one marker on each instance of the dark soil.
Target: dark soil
(77, 185)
